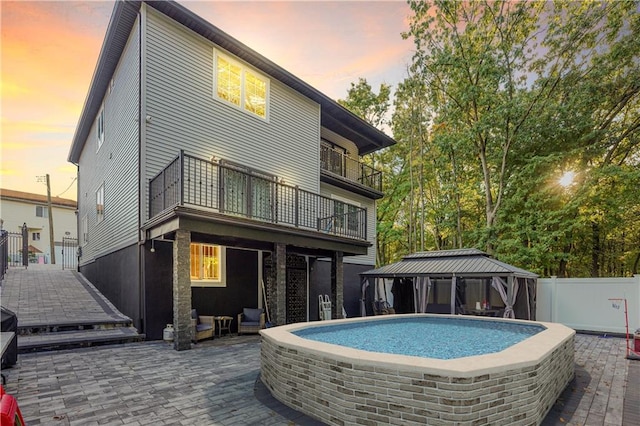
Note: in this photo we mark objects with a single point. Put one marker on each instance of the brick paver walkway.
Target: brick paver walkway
(216, 383)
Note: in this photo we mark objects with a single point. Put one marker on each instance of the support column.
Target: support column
(182, 291)
(337, 284)
(281, 283)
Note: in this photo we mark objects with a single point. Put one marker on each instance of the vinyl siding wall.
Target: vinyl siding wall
(115, 164)
(185, 115)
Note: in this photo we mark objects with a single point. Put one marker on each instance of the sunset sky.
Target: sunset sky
(49, 51)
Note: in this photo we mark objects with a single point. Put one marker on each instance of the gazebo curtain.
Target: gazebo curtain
(421, 290)
(508, 297)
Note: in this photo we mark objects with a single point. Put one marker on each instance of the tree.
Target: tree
(519, 92)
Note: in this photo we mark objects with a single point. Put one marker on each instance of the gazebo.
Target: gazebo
(463, 281)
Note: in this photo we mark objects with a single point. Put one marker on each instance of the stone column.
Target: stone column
(280, 267)
(182, 291)
(337, 285)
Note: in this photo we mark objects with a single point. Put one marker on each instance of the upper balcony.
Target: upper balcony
(338, 169)
(251, 197)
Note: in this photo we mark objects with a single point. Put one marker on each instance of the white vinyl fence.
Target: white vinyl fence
(583, 303)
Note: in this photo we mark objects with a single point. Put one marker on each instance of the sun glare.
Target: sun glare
(567, 178)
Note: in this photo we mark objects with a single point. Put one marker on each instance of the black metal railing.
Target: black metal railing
(341, 164)
(232, 189)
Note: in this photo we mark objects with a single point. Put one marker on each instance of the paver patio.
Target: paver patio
(217, 382)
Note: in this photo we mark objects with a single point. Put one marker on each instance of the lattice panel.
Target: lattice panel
(296, 295)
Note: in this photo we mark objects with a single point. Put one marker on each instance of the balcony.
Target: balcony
(343, 170)
(237, 191)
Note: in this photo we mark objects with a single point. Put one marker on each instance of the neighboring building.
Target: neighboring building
(18, 208)
(205, 169)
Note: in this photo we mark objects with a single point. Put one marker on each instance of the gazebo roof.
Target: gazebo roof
(469, 263)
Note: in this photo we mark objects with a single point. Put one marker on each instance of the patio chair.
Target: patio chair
(251, 320)
(202, 326)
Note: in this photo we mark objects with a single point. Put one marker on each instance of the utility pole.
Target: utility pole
(52, 246)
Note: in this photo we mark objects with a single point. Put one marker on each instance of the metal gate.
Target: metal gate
(14, 249)
(69, 253)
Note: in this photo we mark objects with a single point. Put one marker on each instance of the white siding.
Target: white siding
(370, 205)
(115, 164)
(185, 115)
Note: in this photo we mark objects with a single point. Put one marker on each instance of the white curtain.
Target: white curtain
(453, 295)
(421, 290)
(363, 306)
(508, 297)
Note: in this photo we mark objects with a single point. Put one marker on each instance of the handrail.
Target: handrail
(338, 163)
(239, 191)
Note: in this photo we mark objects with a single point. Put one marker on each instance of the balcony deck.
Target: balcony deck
(231, 193)
(341, 170)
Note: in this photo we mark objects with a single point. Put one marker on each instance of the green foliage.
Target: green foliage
(501, 99)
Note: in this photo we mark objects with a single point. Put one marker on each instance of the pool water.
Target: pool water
(428, 337)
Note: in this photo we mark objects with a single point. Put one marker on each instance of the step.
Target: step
(25, 329)
(77, 339)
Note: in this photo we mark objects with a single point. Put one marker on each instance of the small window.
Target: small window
(207, 265)
(35, 236)
(85, 230)
(100, 204)
(241, 86)
(100, 128)
(42, 211)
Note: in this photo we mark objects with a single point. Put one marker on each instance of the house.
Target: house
(458, 281)
(205, 170)
(19, 208)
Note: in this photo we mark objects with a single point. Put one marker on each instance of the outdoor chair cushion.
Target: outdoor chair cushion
(203, 327)
(251, 315)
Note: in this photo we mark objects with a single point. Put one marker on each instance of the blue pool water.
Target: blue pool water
(429, 337)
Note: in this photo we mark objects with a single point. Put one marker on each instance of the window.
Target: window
(100, 128)
(42, 211)
(207, 265)
(229, 81)
(35, 236)
(100, 204)
(347, 215)
(241, 86)
(84, 239)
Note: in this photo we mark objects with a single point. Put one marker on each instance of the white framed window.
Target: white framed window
(35, 236)
(100, 204)
(240, 85)
(84, 238)
(100, 128)
(42, 211)
(207, 263)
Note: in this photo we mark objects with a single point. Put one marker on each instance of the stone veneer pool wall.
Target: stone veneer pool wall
(340, 385)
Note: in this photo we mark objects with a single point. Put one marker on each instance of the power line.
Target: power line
(74, 179)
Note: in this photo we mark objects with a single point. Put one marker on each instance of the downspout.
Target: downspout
(141, 203)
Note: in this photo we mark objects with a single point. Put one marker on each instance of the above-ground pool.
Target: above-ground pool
(343, 385)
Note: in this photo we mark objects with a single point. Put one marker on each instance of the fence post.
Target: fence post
(181, 177)
(554, 298)
(637, 285)
(25, 245)
(297, 201)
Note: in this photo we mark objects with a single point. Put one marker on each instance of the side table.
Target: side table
(223, 323)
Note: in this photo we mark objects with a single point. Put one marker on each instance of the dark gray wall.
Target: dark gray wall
(321, 285)
(241, 290)
(158, 295)
(116, 276)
